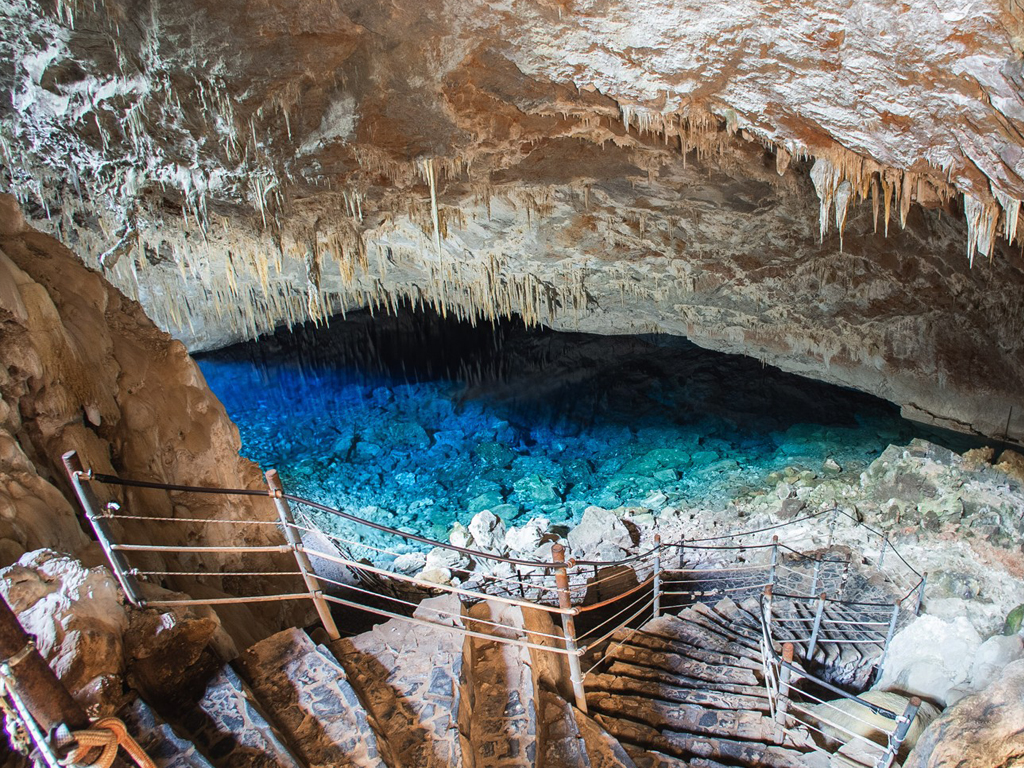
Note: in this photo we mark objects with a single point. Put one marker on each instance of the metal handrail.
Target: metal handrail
(771, 660)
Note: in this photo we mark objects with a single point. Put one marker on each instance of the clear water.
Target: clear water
(418, 422)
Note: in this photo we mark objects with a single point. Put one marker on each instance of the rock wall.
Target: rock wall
(85, 369)
(763, 178)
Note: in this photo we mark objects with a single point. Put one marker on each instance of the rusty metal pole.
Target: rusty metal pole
(569, 627)
(32, 679)
(120, 567)
(284, 513)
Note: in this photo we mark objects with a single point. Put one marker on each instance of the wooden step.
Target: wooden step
(651, 689)
(312, 701)
(681, 665)
(689, 746)
(639, 672)
(684, 718)
(669, 643)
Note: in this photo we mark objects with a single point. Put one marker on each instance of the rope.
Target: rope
(105, 735)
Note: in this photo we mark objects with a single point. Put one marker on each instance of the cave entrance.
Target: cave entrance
(418, 422)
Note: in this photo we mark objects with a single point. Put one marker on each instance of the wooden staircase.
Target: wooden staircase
(681, 690)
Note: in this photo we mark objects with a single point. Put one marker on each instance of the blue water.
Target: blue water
(418, 422)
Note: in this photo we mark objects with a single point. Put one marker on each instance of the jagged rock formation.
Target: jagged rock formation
(85, 369)
(615, 168)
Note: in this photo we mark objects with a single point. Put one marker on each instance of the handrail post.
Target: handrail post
(819, 612)
(903, 723)
(284, 513)
(832, 526)
(814, 579)
(104, 534)
(881, 555)
(657, 575)
(767, 603)
(920, 594)
(775, 560)
(888, 639)
(569, 627)
(782, 700)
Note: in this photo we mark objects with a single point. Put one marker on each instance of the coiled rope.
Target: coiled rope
(106, 735)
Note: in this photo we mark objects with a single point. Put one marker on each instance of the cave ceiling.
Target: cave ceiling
(830, 186)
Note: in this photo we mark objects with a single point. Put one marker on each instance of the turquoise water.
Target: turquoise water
(418, 422)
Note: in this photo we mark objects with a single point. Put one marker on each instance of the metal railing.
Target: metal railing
(586, 601)
(796, 702)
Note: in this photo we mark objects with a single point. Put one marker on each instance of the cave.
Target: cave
(508, 384)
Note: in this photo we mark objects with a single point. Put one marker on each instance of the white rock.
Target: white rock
(931, 658)
(488, 531)
(460, 536)
(435, 575)
(656, 500)
(600, 535)
(992, 657)
(410, 562)
(439, 557)
(526, 538)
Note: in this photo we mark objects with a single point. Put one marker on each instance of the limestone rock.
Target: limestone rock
(1012, 463)
(600, 535)
(85, 369)
(95, 642)
(980, 731)
(526, 538)
(931, 658)
(78, 618)
(488, 532)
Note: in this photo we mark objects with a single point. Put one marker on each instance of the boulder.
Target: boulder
(994, 655)
(95, 642)
(980, 731)
(1012, 463)
(526, 538)
(488, 531)
(78, 618)
(600, 535)
(931, 658)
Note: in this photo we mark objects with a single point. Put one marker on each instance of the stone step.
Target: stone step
(646, 759)
(158, 739)
(406, 676)
(312, 701)
(707, 616)
(714, 635)
(232, 730)
(689, 746)
(665, 636)
(643, 758)
(639, 672)
(683, 718)
(603, 749)
(651, 689)
(560, 741)
(498, 720)
(681, 665)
